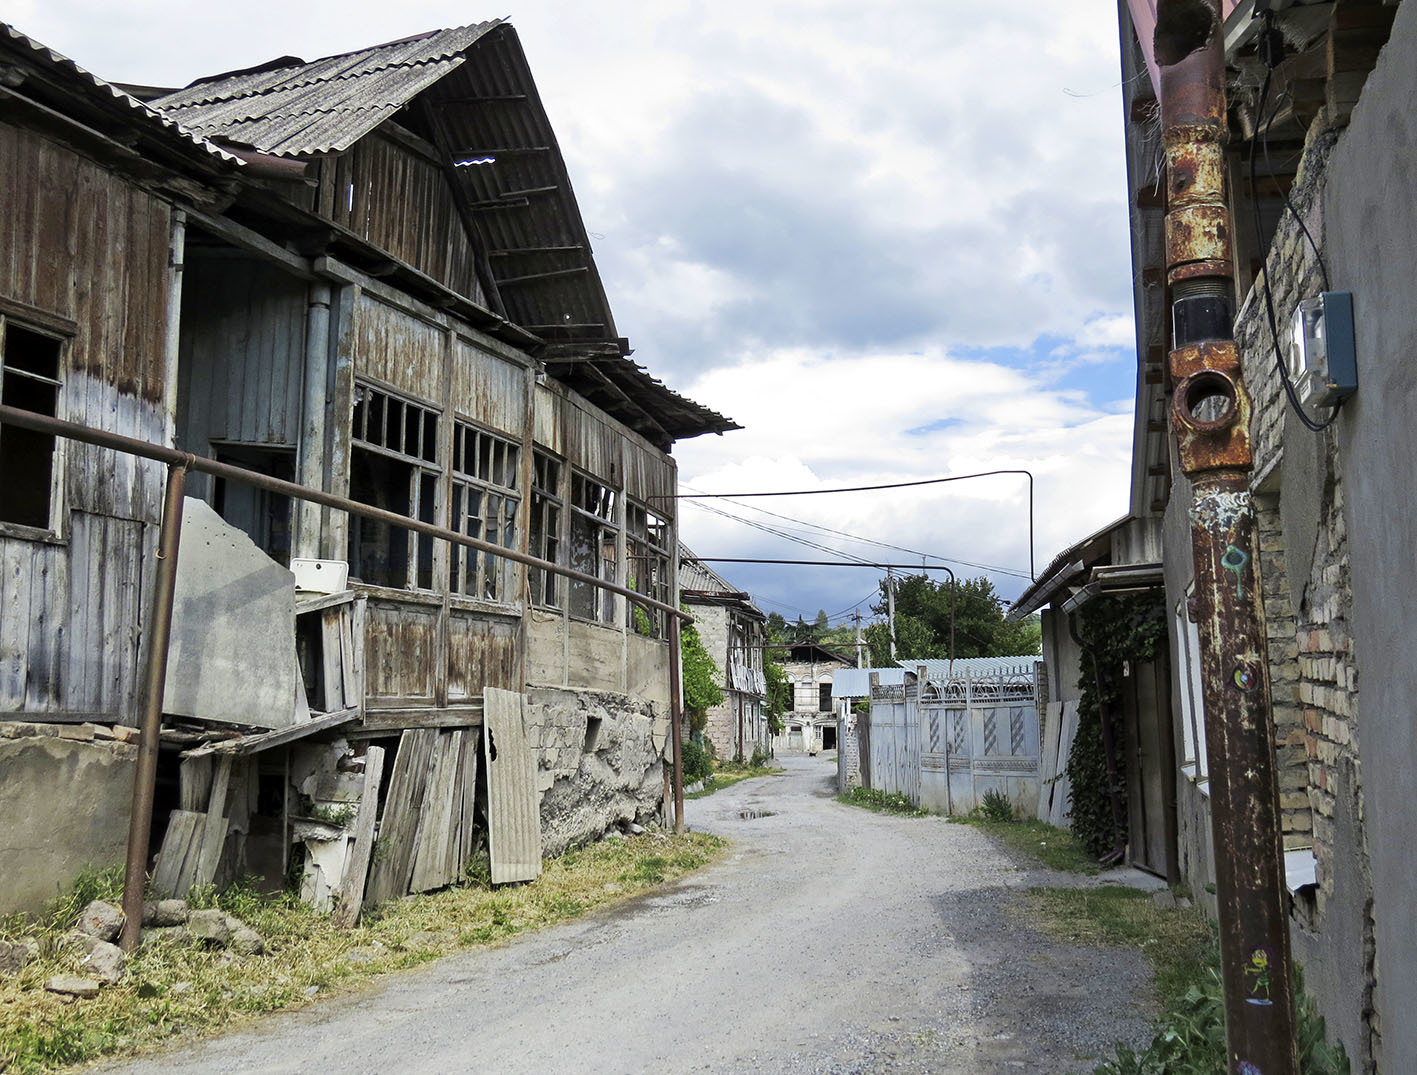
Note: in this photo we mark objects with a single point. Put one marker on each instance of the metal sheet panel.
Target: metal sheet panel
(488, 390)
(514, 819)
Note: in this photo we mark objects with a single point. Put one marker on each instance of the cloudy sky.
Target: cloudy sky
(889, 239)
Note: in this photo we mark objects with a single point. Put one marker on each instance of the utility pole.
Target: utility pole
(1210, 419)
(860, 643)
(890, 607)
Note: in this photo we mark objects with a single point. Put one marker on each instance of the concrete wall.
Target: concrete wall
(1370, 237)
(600, 762)
(65, 805)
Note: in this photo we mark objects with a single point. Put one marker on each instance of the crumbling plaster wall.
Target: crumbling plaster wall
(1305, 573)
(66, 805)
(600, 762)
(1370, 238)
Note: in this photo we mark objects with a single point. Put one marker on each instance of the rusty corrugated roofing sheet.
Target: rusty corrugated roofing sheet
(142, 113)
(322, 106)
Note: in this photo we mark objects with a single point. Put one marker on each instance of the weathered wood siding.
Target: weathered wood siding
(87, 251)
(242, 348)
(488, 390)
(482, 652)
(401, 202)
(400, 654)
(398, 349)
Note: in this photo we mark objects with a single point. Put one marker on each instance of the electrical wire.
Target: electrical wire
(1262, 135)
(852, 489)
(788, 535)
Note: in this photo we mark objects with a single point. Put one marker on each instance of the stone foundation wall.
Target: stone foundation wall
(600, 763)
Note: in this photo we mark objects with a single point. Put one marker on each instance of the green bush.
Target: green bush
(759, 759)
(995, 806)
(697, 763)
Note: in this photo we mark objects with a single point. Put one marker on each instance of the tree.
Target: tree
(776, 627)
(779, 699)
(922, 622)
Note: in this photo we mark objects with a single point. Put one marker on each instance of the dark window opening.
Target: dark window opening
(824, 697)
(378, 552)
(264, 516)
(395, 441)
(29, 379)
(828, 736)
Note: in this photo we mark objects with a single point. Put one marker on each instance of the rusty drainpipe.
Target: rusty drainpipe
(1210, 416)
(155, 679)
(676, 716)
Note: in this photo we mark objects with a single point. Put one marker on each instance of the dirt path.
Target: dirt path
(832, 940)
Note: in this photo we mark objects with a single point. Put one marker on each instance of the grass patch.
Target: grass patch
(173, 991)
(1182, 949)
(1055, 848)
(1179, 944)
(730, 775)
(883, 802)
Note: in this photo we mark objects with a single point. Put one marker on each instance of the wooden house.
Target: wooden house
(368, 275)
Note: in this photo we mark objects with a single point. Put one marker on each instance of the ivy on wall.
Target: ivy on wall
(701, 689)
(1114, 631)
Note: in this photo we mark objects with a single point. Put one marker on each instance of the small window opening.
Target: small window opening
(592, 734)
(29, 379)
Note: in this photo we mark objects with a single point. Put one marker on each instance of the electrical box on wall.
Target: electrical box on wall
(1323, 364)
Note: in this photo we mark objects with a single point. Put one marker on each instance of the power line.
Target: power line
(1032, 573)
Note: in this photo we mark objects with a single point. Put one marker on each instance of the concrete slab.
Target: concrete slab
(233, 627)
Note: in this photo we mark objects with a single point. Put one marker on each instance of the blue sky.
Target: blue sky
(891, 240)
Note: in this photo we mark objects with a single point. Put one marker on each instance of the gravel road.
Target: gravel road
(831, 940)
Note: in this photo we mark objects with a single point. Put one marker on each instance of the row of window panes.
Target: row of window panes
(646, 546)
(485, 457)
(385, 421)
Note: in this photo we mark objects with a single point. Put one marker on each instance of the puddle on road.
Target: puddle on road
(749, 815)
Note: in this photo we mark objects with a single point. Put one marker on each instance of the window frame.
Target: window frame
(63, 337)
(640, 535)
(546, 530)
(609, 522)
(1195, 762)
(494, 475)
(425, 481)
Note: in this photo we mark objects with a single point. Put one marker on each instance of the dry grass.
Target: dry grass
(728, 776)
(172, 991)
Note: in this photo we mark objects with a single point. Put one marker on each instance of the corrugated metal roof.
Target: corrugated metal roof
(325, 105)
(142, 113)
(938, 669)
(856, 682)
(481, 102)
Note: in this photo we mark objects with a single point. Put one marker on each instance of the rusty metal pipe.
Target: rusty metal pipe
(1210, 418)
(146, 450)
(676, 716)
(155, 678)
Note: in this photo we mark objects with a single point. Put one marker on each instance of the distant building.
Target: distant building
(810, 725)
(731, 628)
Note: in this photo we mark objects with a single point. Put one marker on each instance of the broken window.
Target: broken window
(595, 533)
(263, 515)
(546, 506)
(29, 379)
(486, 474)
(647, 551)
(394, 466)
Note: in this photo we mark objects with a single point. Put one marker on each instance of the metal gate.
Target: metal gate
(894, 742)
(979, 732)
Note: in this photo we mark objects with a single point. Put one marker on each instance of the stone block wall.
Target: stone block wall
(600, 763)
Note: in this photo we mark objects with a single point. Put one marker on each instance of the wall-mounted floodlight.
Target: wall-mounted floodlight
(1323, 364)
